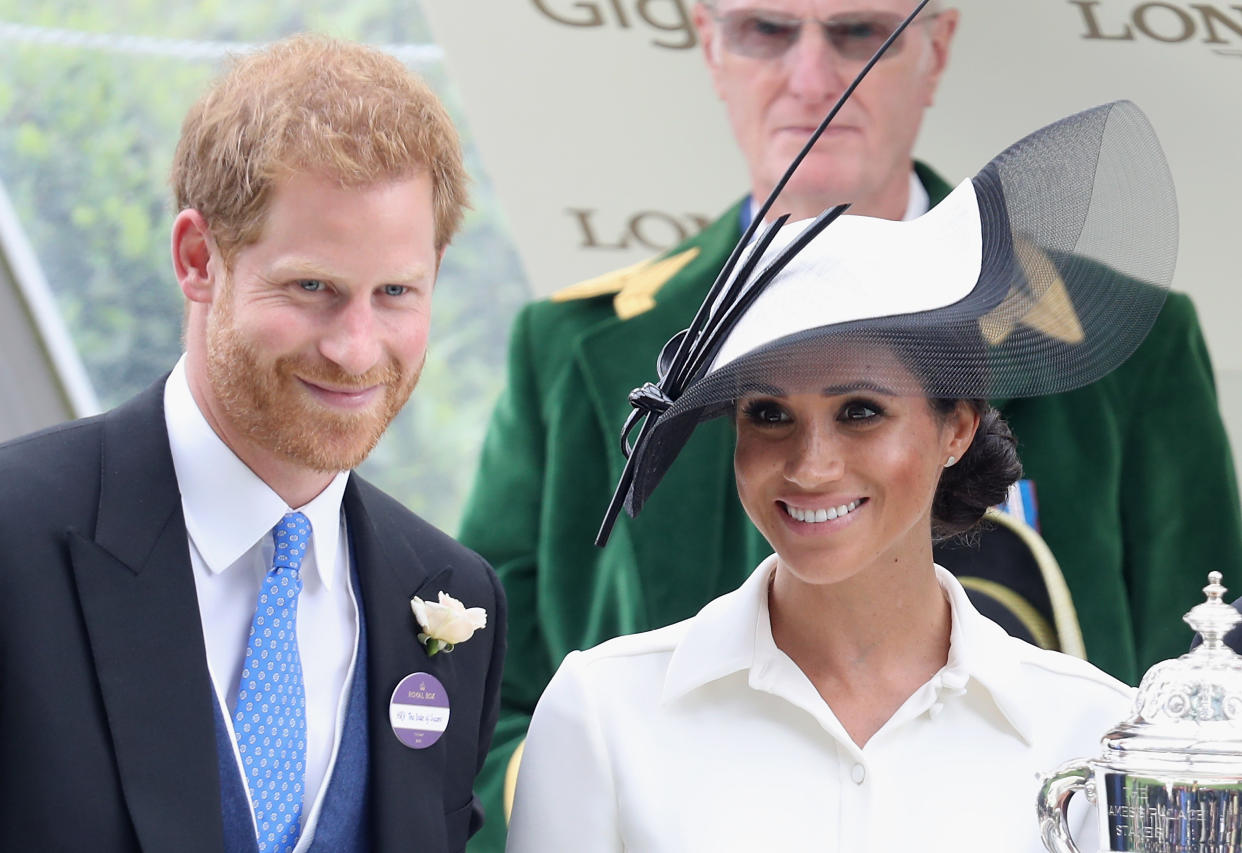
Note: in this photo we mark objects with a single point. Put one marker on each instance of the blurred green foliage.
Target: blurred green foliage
(86, 138)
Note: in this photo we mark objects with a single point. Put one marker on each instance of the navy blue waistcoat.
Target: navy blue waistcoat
(342, 826)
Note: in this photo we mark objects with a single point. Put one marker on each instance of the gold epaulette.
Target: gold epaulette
(635, 286)
(1050, 312)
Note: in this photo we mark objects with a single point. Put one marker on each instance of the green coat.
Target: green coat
(1135, 487)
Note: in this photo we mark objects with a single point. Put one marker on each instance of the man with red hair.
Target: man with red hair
(208, 640)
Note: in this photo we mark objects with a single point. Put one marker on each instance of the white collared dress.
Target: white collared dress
(704, 736)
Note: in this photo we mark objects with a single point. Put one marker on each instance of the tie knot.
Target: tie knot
(292, 535)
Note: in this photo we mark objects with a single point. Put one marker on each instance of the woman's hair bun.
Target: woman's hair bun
(981, 478)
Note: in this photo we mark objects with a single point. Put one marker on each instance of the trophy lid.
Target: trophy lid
(1189, 708)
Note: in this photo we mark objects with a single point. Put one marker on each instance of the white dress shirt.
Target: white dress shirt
(918, 202)
(704, 736)
(229, 516)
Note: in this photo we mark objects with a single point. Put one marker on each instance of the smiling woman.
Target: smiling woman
(848, 695)
(820, 474)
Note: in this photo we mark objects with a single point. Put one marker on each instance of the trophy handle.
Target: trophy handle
(1054, 797)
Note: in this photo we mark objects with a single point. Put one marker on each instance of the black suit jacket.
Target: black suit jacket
(106, 727)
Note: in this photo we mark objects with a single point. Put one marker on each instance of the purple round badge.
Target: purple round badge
(419, 710)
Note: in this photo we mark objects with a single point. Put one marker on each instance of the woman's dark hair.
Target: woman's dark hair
(981, 478)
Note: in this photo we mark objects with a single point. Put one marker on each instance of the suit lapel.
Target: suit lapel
(406, 803)
(141, 611)
(936, 186)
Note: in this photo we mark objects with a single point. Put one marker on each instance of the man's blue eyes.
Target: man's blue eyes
(314, 285)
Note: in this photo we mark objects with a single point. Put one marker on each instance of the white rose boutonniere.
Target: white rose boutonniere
(447, 623)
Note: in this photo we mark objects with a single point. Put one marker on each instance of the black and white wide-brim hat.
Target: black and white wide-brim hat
(1040, 274)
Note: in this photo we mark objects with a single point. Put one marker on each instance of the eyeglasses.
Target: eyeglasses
(764, 34)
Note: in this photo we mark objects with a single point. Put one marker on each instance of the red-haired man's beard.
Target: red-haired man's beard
(267, 401)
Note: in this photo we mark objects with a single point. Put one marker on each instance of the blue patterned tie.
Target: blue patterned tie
(270, 719)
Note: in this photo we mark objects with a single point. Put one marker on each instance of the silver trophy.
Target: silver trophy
(1169, 779)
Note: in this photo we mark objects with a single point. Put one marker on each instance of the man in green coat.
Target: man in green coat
(1133, 476)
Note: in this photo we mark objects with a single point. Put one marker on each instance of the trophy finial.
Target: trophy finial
(1214, 590)
(1213, 619)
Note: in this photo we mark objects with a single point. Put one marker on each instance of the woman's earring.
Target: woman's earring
(949, 464)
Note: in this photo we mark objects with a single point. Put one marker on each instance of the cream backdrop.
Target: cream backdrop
(598, 125)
